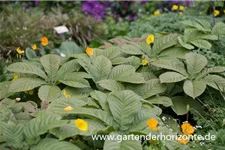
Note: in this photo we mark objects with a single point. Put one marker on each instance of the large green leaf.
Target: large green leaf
(195, 63)
(23, 67)
(25, 84)
(51, 64)
(14, 134)
(180, 105)
(164, 42)
(70, 130)
(215, 81)
(126, 73)
(171, 77)
(116, 144)
(111, 52)
(111, 85)
(41, 125)
(170, 64)
(88, 112)
(206, 71)
(150, 88)
(30, 54)
(74, 80)
(178, 52)
(166, 101)
(124, 105)
(49, 93)
(202, 44)
(196, 25)
(4, 89)
(54, 144)
(132, 48)
(68, 47)
(102, 99)
(68, 67)
(195, 88)
(219, 28)
(185, 45)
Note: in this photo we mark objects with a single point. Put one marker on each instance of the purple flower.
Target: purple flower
(94, 8)
(143, 2)
(36, 3)
(131, 17)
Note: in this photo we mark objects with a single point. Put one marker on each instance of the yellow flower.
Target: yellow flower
(223, 11)
(157, 12)
(34, 47)
(174, 7)
(81, 124)
(150, 39)
(89, 51)
(66, 94)
(152, 124)
(187, 128)
(144, 62)
(68, 108)
(15, 78)
(216, 13)
(19, 51)
(181, 8)
(44, 41)
(183, 140)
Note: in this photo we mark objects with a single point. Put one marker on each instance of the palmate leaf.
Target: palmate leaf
(51, 63)
(215, 81)
(22, 67)
(70, 130)
(164, 42)
(195, 63)
(195, 88)
(126, 73)
(49, 93)
(54, 144)
(148, 89)
(171, 77)
(111, 85)
(14, 134)
(115, 144)
(41, 125)
(124, 105)
(25, 84)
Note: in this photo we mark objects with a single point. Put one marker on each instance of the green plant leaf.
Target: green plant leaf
(41, 125)
(51, 64)
(206, 71)
(202, 44)
(4, 89)
(165, 101)
(102, 99)
(124, 105)
(126, 73)
(185, 45)
(30, 54)
(70, 130)
(74, 80)
(14, 134)
(22, 67)
(132, 48)
(111, 85)
(115, 144)
(25, 84)
(150, 88)
(164, 42)
(68, 47)
(54, 144)
(111, 52)
(170, 64)
(215, 82)
(195, 88)
(219, 29)
(49, 93)
(178, 52)
(171, 77)
(68, 67)
(195, 63)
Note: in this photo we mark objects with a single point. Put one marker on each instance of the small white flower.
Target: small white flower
(18, 99)
(62, 55)
(164, 118)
